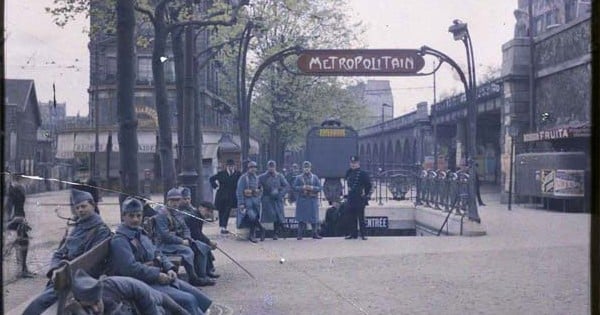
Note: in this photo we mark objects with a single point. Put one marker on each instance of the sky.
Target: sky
(37, 49)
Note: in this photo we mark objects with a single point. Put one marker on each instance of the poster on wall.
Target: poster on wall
(569, 183)
(547, 181)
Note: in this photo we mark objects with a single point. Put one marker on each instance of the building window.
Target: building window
(144, 69)
(111, 68)
(570, 10)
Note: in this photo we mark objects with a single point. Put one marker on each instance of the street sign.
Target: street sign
(361, 62)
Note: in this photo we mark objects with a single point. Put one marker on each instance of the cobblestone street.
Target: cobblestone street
(530, 261)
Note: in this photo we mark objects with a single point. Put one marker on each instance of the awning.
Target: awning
(85, 142)
(564, 132)
(64, 146)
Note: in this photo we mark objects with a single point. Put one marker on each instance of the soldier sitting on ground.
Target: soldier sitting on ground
(174, 238)
(89, 231)
(118, 295)
(133, 254)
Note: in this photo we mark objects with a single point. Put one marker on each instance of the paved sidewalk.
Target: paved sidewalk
(530, 262)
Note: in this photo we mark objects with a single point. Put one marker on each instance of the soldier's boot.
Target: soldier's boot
(251, 234)
(283, 231)
(275, 230)
(300, 230)
(262, 231)
(315, 227)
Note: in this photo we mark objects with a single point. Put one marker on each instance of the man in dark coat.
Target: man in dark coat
(132, 254)
(359, 192)
(15, 206)
(195, 224)
(116, 295)
(89, 231)
(274, 188)
(308, 186)
(225, 200)
(174, 238)
(248, 201)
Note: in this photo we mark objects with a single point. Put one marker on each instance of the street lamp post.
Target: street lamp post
(460, 32)
(382, 150)
(244, 98)
(513, 131)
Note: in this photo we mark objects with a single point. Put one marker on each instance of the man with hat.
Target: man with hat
(89, 231)
(308, 186)
(132, 254)
(195, 222)
(174, 238)
(117, 295)
(359, 193)
(274, 188)
(248, 201)
(225, 200)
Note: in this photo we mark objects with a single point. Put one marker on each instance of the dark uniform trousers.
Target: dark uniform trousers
(356, 211)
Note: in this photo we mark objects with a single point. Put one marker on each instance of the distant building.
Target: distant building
(375, 93)
(21, 122)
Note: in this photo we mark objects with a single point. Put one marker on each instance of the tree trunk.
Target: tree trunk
(163, 109)
(128, 142)
(177, 42)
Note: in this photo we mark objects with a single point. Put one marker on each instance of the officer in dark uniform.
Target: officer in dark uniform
(225, 200)
(359, 193)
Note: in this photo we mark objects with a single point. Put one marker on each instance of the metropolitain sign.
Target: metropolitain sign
(361, 62)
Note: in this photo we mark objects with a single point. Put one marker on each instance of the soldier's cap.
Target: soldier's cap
(271, 163)
(186, 192)
(79, 196)
(306, 164)
(354, 158)
(131, 205)
(85, 288)
(252, 164)
(295, 165)
(173, 193)
(230, 162)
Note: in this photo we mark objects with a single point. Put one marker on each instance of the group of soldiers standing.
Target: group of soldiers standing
(261, 198)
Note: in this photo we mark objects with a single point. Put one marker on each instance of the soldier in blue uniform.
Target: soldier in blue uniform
(116, 295)
(89, 231)
(274, 188)
(359, 193)
(225, 200)
(133, 254)
(174, 237)
(195, 225)
(307, 186)
(248, 195)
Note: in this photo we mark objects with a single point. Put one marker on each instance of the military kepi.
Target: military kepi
(306, 164)
(86, 288)
(79, 196)
(252, 164)
(131, 205)
(354, 158)
(271, 163)
(173, 193)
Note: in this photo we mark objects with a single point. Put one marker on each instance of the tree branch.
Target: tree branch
(145, 11)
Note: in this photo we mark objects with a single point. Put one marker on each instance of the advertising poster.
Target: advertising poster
(569, 183)
(547, 181)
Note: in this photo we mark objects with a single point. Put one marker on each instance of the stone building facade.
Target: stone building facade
(549, 114)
